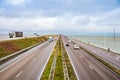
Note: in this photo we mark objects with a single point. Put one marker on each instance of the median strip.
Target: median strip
(59, 66)
(71, 72)
(46, 73)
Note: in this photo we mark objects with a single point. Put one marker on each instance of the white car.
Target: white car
(69, 41)
(76, 46)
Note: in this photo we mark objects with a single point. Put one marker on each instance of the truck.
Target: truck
(50, 39)
(15, 34)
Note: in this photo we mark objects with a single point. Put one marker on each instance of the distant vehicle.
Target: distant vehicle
(67, 44)
(15, 34)
(11, 34)
(69, 41)
(50, 39)
(76, 47)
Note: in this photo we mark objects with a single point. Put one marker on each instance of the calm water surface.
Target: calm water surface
(105, 42)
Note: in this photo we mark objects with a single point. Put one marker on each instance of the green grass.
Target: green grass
(11, 46)
(46, 72)
(71, 72)
(59, 75)
(2, 52)
(58, 69)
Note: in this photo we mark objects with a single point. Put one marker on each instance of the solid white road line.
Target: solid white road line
(91, 67)
(34, 59)
(71, 62)
(81, 57)
(14, 63)
(19, 74)
(40, 74)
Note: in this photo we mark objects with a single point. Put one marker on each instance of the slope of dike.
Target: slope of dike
(10, 46)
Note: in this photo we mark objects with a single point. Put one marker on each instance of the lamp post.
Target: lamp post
(114, 33)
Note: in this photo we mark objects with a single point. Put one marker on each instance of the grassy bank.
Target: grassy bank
(11, 46)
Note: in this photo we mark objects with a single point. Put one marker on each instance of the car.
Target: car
(67, 44)
(76, 47)
(69, 41)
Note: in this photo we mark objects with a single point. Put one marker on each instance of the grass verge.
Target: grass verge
(11, 46)
(46, 72)
(71, 72)
(59, 75)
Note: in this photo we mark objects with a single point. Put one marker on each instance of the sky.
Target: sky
(78, 17)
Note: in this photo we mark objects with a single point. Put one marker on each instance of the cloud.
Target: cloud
(67, 22)
(111, 18)
(31, 24)
(16, 2)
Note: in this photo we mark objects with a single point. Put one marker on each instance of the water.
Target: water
(6, 37)
(101, 41)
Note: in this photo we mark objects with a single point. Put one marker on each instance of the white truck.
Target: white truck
(15, 34)
(50, 39)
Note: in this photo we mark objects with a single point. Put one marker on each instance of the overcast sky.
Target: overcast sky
(60, 16)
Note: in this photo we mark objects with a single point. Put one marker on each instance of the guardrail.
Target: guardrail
(94, 53)
(52, 71)
(104, 61)
(65, 69)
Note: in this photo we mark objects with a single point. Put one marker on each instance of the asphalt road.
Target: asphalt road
(87, 67)
(108, 56)
(29, 65)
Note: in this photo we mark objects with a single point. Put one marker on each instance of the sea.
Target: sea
(111, 42)
(6, 37)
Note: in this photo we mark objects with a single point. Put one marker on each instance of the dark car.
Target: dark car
(67, 44)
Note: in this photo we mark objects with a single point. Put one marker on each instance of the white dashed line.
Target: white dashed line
(91, 67)
(19, 74)
(34, 59)
(118, 58)
(81, 57)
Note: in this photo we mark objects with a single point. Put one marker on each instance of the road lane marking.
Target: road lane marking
(88, 62)
(40, 74)
(81, 57)
(19, 74)
(10, 65)
(118, 58)
(18, 60)
(34, 59)
(71, 61)
(91, 67)
(14, 63)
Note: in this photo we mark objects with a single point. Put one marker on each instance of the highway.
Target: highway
(29, 65)
(87, 67)
(108, 56)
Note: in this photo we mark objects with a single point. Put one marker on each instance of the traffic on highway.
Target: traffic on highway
(30, 65)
